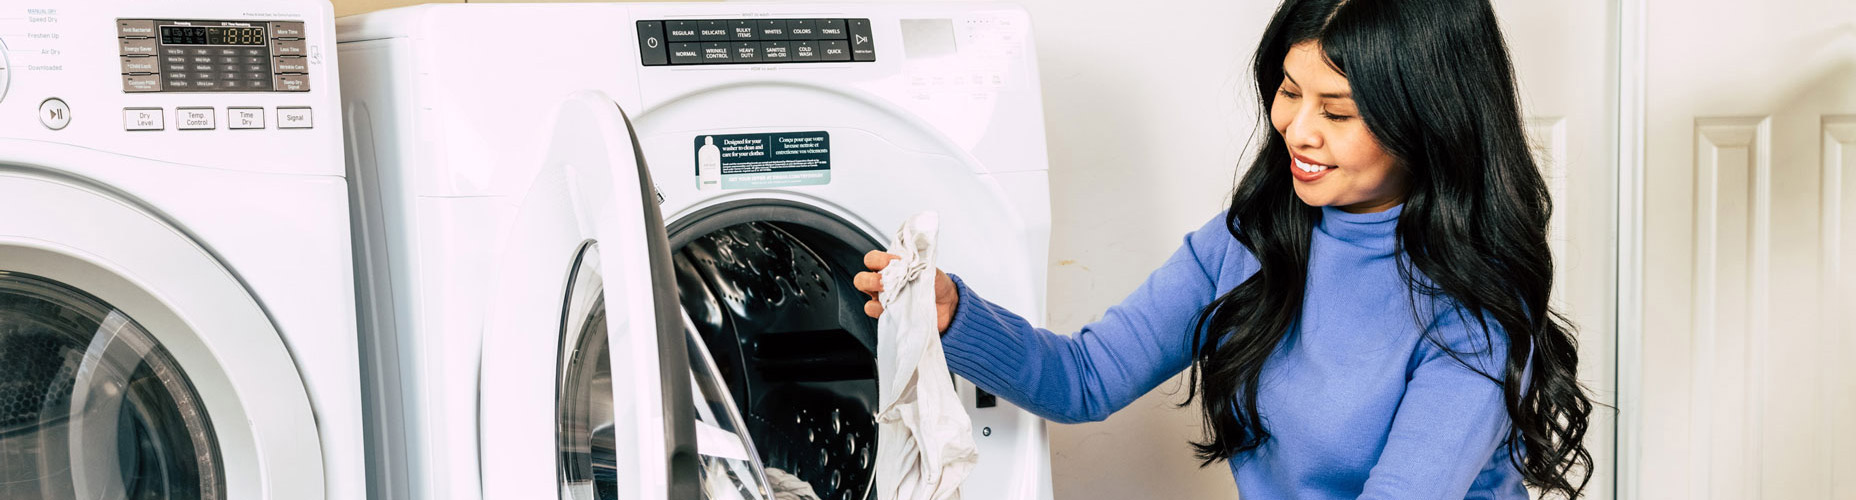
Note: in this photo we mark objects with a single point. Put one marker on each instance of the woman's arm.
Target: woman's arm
(1451, 420)
(1086, 376)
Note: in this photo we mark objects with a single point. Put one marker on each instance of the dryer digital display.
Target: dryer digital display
(211, 35)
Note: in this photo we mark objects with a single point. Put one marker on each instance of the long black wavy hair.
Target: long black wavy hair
(1434, 85)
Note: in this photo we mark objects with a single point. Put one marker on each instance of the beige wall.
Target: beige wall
(350, 7)
(1147, 122)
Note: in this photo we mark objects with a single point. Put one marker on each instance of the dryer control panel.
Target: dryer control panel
(754, 41)
(171, 55)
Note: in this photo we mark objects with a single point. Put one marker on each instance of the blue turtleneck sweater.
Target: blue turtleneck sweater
(1358, 403)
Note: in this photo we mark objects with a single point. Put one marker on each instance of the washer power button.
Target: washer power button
(54, 113)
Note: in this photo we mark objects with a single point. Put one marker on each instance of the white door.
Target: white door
(1748, 137)
(585, 303)
(1561, 52)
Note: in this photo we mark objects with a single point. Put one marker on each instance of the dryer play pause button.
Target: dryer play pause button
(54, 113)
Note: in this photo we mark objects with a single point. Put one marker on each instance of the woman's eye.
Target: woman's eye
(1335, 117)
(1287, 94)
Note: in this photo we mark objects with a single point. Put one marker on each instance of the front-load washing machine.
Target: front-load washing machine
(607, 249)
(176, 290)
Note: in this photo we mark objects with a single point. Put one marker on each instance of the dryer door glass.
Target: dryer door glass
(92, 406)
(767, 288)
(583, 393)
(730, 468)
(585, 429)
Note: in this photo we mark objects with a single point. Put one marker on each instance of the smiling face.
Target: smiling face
(1337, 161)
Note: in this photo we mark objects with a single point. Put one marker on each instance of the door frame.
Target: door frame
(1630, 33)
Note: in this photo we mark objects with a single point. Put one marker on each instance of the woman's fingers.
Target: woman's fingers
(876, 260)
(871, 283)
(868, 283)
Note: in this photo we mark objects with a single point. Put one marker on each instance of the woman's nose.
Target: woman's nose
(1301, 133)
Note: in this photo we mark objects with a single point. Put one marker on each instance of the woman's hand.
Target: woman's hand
(871, 283)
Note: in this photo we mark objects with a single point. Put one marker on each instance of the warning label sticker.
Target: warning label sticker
(746, 161)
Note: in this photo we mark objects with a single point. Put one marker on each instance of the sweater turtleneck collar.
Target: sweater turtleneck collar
(1369, 229)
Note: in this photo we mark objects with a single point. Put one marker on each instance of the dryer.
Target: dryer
(610, 246)
(176, 291)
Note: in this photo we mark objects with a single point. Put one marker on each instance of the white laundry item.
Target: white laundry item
(789, 487)
(926, 438)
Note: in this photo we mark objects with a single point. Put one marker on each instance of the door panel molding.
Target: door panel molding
(1838, 219)
(1732, 242)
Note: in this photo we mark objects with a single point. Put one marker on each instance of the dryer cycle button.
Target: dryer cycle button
(716, 53)
(283, 47)
(194, 118)
(141, 83)
(292, 83)
(683, 31)
(135, 28)
(776, 52)
(286, 30)
(142, 119)
(294, 118)
(747, 52)
(773, 29)
(744, 30)
(805, 51)
(833, 50)
(139, 64)
(714, 30)
(801, 29)
(290, 64)
(830, 29)
(244, 118)
(54, 113)
(138, 46)
(686, 53)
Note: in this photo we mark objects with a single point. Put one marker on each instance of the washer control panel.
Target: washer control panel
(174, 55)
(754, 41)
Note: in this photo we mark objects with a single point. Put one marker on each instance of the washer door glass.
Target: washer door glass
(584, 406)
(92, 406)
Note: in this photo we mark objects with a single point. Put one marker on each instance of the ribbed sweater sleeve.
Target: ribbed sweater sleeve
(1090, 374)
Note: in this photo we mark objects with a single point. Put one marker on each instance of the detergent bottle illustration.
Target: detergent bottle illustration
(708, 165)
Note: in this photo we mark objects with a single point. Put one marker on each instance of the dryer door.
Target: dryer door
(132, 363)
(585, 303)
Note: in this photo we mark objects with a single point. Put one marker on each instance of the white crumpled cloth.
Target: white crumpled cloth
(925, 438)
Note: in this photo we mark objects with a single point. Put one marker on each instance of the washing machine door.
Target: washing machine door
(587, 384)
(133, 364)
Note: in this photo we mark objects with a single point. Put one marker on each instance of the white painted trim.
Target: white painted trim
(1631, 27)
(1759, 327)
(1839, 136)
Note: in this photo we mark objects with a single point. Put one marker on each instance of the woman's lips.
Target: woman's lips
(1307, 170)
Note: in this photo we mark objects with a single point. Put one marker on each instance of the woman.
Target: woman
(1370, 317)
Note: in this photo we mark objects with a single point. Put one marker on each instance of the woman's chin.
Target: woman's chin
(1313, 197)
